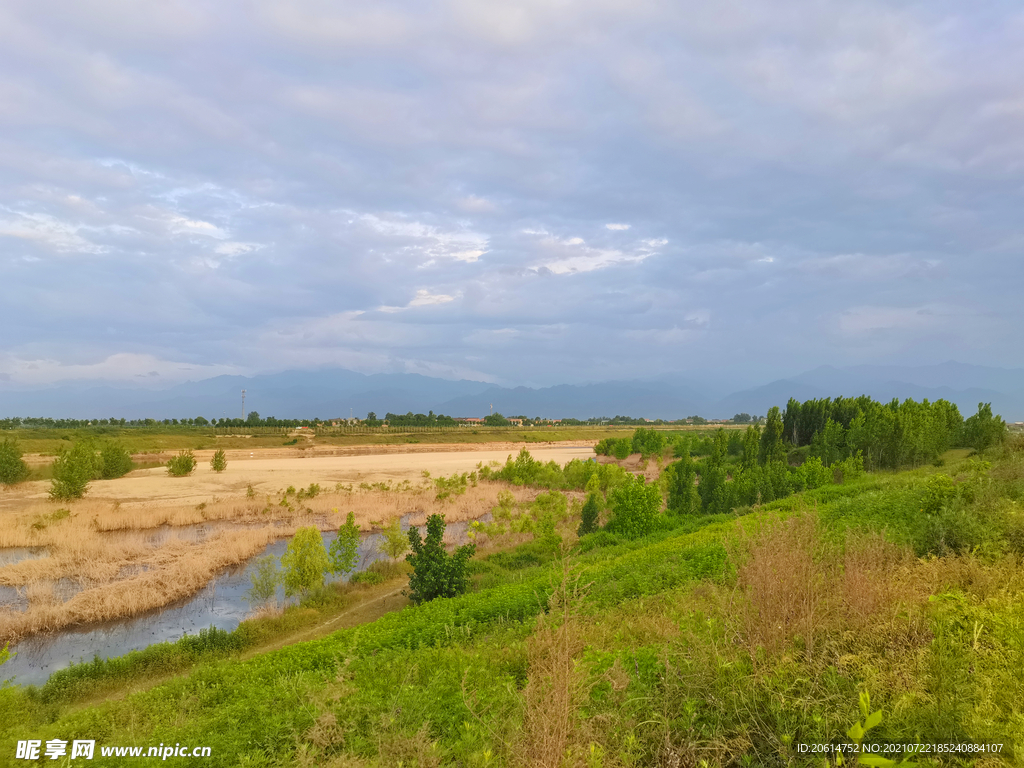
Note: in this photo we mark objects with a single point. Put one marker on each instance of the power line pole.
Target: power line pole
(243, 405)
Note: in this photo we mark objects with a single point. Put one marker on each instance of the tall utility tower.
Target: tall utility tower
(243, 405)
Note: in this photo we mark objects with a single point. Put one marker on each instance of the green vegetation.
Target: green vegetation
(219, 462)
(182, 465)
(73, 469)
(396, 542)
(13, 468)
(435, 572)
(264, 580)
(636, 507)
(304, 562)
(589, 515)
(723, 639)
(115, 461)
(344, 550)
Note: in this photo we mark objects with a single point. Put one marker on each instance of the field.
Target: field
(726, 639)
(41, 444)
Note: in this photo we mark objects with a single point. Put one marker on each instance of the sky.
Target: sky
(525, 192)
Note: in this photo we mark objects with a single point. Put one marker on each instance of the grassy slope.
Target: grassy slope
(663, 663)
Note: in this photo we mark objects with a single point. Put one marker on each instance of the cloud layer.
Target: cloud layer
(522, 192)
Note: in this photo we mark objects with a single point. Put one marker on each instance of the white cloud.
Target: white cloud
(232, 249)
(423, 298)
(617, 226)
(574, 256)
(49, 231)
(427, 242)
(182, 225)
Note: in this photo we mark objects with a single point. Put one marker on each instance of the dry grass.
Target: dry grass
(783, 572)
(554, 687)
(873, 580)
(178, 571)
(130, 557)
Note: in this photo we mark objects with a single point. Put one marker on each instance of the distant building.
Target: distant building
(470, 420)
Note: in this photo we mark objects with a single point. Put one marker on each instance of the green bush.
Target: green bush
(395, 543)
(648, 442)
(589, 513)
(182, 465)
(622, 448)
(73, 469)
(435, 572)
(219, 462)
(115, 461)
(635, 507)
(13, 468)
(304, 562)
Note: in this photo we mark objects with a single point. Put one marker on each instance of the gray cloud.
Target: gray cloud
(524, 192)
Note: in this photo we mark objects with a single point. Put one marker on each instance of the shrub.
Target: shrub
(304, 562)
(13, 468)
(435, 572)
(219, 462)
(73, 468)
(345, 548)
(395, 543)
(648, 442)
(264, 580)
(182, 465)
(591, 509)
(115, 461)
(814, 474)
(635, 507)
(622, 448)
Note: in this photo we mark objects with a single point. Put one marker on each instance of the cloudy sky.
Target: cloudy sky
(525, 192)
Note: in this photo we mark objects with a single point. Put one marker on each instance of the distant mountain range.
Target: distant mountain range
(331, 393)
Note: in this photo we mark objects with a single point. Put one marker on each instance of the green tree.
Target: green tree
(219, 462)
(496, 420)
(395, 543)
(647, 442)
(589, 514)
(253, 419)
(983, 430)
(13, 468)
(115, 461)
(772, 447)
(741, 418)
(635, 507)
(751, 448)
(304, 562)
(829, 444)
(621, 448)
(264, 580)
(435, 573)
(345, 548)
(73, 469)
(683, 497)
(182, 465)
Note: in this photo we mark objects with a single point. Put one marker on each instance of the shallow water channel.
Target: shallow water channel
(221, 604)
